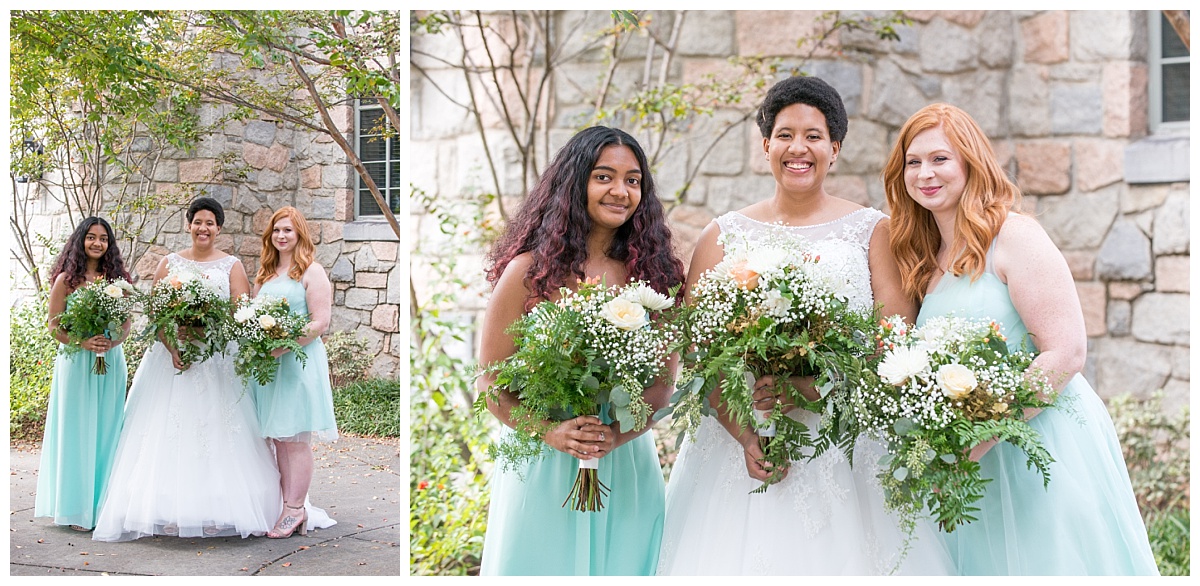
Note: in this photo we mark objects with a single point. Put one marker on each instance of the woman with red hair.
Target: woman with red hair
(963, 250)
(297, 406)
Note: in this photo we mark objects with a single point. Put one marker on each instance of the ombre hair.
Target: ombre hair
(553, 224)
(986, 200)
(301, 258)
(72, 259)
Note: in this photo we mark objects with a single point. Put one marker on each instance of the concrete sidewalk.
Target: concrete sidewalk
(356, 481)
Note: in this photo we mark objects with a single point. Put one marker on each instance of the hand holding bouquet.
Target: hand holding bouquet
(98, 308)
(592, 352)
(187, 311)
(937, 392)
(261, 326)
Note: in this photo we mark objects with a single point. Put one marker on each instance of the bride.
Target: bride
(190, 461)
(823, 517)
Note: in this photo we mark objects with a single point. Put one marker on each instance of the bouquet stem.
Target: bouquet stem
(101, 365)
(587, 495)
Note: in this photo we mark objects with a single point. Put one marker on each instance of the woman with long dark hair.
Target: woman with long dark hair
(964, 250)
(594, 214)
(85, 410)
(190, 461)
(297, 407)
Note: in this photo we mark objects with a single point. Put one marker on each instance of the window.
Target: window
(1170, 76)
(380, 154)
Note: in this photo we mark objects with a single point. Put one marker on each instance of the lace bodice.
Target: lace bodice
(216, 271)
(842, 245)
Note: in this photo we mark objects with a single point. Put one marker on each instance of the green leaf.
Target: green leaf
(619, 396)
(900, 473)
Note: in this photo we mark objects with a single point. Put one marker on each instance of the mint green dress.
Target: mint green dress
(1087, 521)
(531, 533)
(298, 404)
(84, 416)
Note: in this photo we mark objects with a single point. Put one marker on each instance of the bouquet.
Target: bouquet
(260, 326)
(100, 307)
(937, 392)
(186, 309)
(592, 352)
(772, 310)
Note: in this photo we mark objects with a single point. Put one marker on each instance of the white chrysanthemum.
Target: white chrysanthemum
(244, 313)
(768, 259)
(646, 297)
(903, 363)
(775, 304)
(625, 314)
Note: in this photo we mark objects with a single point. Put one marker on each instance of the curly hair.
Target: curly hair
(206, 203)
(553, 224)
(985, 202)
(72, 260)
(812, 91)
(301, 259)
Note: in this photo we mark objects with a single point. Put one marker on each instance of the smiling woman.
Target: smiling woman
(594, 217)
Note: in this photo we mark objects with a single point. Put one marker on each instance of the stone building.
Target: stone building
(256, 166)
(1088, 111)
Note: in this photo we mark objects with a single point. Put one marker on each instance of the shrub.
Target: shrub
(368, 407)
(1157, 452)
(30, 369)
(348, 358)
(448, 483)
(1170, 538)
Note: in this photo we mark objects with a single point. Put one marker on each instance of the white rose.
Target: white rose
(776, 304)
(243, 314)
(113, 291)
(901, 364)
(956, 380)
(647, 297)
(266, 321)
(624, 314)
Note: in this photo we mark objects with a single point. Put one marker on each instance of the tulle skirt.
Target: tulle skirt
(1085, 523)
(530, 532)
(190, 461)
(83, 422)
(298, 404)
(824, 518)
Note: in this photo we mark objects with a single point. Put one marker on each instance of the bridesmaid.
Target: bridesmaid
(963, 250)
(593, 214)
(297, 407)
(86, 410)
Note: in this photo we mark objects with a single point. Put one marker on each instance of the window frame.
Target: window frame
(361, 104)
(1156, 63)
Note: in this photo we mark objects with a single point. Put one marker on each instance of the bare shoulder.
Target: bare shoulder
(1022, 233)
(1024, 246)
(514, 276)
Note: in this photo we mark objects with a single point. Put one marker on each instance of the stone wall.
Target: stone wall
(254, 167)
(1062, 94)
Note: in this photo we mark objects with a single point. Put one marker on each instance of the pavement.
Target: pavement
(356, 480)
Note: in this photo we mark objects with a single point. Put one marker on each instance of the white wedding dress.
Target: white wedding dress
(190, 461)
(824, 518)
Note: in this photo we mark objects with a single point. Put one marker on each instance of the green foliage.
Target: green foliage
(369, 407)
(1170, 539)
(1157, 452)
(30, 369)
(448, 492)
(348, 357)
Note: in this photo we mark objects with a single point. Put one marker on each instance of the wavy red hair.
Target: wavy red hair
(986, 200)
(301, 259)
